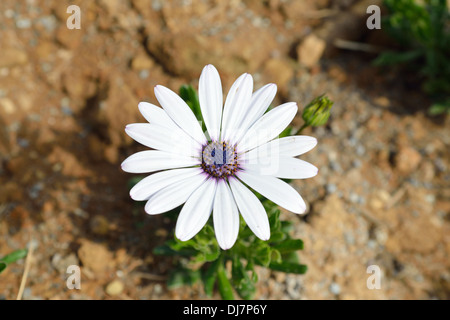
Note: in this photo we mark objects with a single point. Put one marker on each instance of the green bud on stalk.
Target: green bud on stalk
(317, 112)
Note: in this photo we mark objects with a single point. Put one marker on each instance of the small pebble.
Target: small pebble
(23, 23)
(335, 288)
(143, 74)
(114, 288)
(331, 188)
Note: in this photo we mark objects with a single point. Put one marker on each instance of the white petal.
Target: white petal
(236, 104)
(164, 138)
(225, 216)
(275, 190)
(285, 147)
(259, 103)
(281, 167)
(180, 113)
(155, 160)
(232, 92)
(196, 211)
(157, 181)
(251, 209)
(211, 100)
(155, 114)
(173, 195)
(268, 126)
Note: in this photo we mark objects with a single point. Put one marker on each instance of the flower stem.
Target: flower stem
(299, 131)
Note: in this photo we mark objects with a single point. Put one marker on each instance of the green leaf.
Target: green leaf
(439, 108)
(275, 256)
(179, 248)
(166, 250)
(2, 266)
(189, 95)
(178, 245)
(225, 288)
(420, 29)
(133, 181)
(210, 277)
(290, 257)
(14, 256)
(289, 267)
(244, 285)
(390, 58)
(262, 255)
(207, 255)
(286, 226)
(206, 244)
(289, 245)
(250, 267)
(286, 132)
(274, 218)
(277, 236)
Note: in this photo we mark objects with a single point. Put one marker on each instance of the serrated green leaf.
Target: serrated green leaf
(182, 248)
(14, 256)
(206, 244)
(262, 255)
(213, 254)
(206, 254)
(244, 285)
(275, 256)
(289, 267)
(251, 267)
(206, 236)
(289, 245)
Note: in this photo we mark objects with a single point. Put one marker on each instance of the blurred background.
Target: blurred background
(381, 196)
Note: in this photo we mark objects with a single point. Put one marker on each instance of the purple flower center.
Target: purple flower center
(219, 159)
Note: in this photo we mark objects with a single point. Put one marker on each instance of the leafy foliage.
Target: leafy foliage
(207, 262)
(422, 29)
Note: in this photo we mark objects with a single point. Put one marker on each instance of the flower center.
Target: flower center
(219, 159)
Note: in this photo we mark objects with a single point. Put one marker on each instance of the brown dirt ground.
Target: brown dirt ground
(381, 196)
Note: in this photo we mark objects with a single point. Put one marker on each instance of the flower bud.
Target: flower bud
(317, 112)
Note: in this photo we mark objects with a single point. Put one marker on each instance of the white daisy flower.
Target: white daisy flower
(215, 173)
